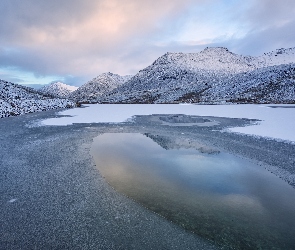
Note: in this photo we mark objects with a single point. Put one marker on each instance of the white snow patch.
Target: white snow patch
(275, 123)
(12, 200)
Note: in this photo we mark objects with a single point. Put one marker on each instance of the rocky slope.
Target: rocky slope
(274, 84)
(98, 86)
(16, 100)
(211, 73)
(58, 89)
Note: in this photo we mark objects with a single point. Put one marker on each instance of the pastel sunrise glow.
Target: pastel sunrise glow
(75, 40)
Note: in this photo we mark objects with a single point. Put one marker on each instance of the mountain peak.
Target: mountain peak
(98, 86)
(106, 74)
(216, 51)
(63, 85)
(58, 89)
(177, 77)
(108, 78)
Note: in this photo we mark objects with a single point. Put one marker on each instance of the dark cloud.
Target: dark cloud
(46, 13)
(258, 42)
(269, 13)
(21, 20)
(270, 27)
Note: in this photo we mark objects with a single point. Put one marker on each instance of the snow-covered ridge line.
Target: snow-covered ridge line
(58, 89)
(204, 76)
(98, 86)
(17, 100)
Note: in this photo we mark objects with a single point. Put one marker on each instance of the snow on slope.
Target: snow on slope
(58, 89)
(277, 57)
(98, 86)
(16, 100)
(180, 77)
(217, 59)
(274, 84)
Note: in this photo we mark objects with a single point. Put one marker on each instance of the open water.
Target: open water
(220, 197)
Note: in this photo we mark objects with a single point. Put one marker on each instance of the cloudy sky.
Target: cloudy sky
(75, 40)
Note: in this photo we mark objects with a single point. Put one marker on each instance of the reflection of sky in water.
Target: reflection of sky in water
(196, 171)
(219, 196)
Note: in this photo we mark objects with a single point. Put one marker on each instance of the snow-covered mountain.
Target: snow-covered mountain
(58, 89)
(277, 57)
(16, 100)
(181, 77)
(273, 84)
(98, 86)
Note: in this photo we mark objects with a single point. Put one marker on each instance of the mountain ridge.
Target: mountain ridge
(98, 86)
(17, 100)
(211, 76)
(58, 89)
(174, 75)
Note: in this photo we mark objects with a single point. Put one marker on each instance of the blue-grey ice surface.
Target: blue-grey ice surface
(275, 123)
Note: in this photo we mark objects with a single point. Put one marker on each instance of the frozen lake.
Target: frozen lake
(188, 168)
(277, 121)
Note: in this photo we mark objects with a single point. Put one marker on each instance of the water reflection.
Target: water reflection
(218, 196)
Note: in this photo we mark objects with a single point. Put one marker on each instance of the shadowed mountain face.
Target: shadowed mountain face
(214, 75)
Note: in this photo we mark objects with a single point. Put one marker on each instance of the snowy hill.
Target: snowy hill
(274, 84)
(58, 89)
(16, 100)
(277, 57)
(98, 86)
(180, 77)
(273, 81)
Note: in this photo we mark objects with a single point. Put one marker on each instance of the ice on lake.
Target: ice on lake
(277, 121)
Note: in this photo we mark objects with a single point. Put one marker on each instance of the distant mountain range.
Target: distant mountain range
(17, 99)
(212, 76)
